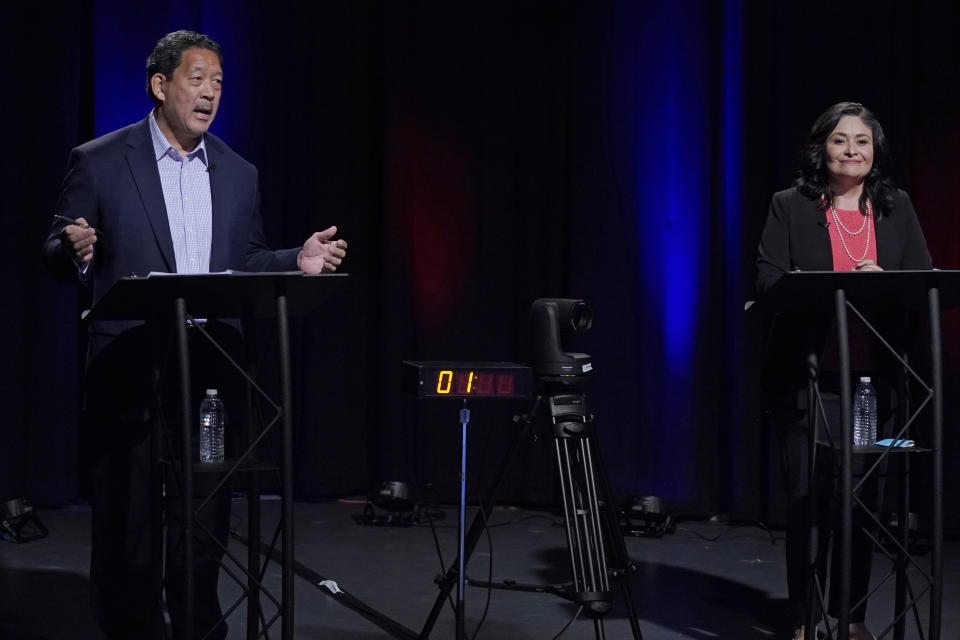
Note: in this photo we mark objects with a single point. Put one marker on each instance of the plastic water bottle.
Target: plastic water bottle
(864, 414)
(211, 427)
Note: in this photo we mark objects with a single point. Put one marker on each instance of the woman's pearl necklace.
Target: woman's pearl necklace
(841, 229)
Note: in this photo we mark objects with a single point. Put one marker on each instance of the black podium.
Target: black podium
(861, 292)
(170, 302)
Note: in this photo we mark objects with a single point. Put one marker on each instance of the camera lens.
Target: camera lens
(581, 317)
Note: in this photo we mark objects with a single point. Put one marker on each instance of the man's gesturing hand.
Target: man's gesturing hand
(78, 240)
(321, 253)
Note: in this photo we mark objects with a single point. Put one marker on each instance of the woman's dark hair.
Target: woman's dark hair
(168, 54)
(813, 180)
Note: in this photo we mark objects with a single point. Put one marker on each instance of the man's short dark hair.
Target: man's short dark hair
(168, 54)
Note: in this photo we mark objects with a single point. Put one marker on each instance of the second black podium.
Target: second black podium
(858, 293)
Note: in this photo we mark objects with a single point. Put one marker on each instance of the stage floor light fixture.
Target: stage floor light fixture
(394, 497)
(19, 523)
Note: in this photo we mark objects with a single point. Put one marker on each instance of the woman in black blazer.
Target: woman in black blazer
(843, 213)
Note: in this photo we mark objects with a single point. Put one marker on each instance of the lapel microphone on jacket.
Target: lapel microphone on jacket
(212, 167)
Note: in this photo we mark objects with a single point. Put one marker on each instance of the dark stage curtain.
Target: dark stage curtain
(478, 156)
(42, 341)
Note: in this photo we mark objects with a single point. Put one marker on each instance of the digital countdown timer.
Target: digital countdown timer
(467, 379)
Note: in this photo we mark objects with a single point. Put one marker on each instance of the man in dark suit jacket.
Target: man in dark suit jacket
(158, 195)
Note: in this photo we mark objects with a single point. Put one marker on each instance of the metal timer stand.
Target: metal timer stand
(596, 548)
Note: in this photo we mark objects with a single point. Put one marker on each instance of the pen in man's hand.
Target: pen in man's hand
(57, 216)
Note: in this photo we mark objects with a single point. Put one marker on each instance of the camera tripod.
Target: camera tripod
(597, 550)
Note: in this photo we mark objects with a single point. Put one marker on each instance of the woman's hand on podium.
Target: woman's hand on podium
(867, 265)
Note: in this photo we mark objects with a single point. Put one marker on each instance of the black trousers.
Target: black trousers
(126, 595)
(792, 431)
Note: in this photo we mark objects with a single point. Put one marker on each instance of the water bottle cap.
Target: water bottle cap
(213, 392)
(862, 379)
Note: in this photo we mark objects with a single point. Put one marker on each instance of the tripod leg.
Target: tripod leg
(581, 508)
(596, 530)
(598, 630)
(619, 557)
(570, 510)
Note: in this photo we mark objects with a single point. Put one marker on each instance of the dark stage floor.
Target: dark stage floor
(706, 581)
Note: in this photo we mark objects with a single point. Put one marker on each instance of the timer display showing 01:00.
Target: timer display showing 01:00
(468, 383)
